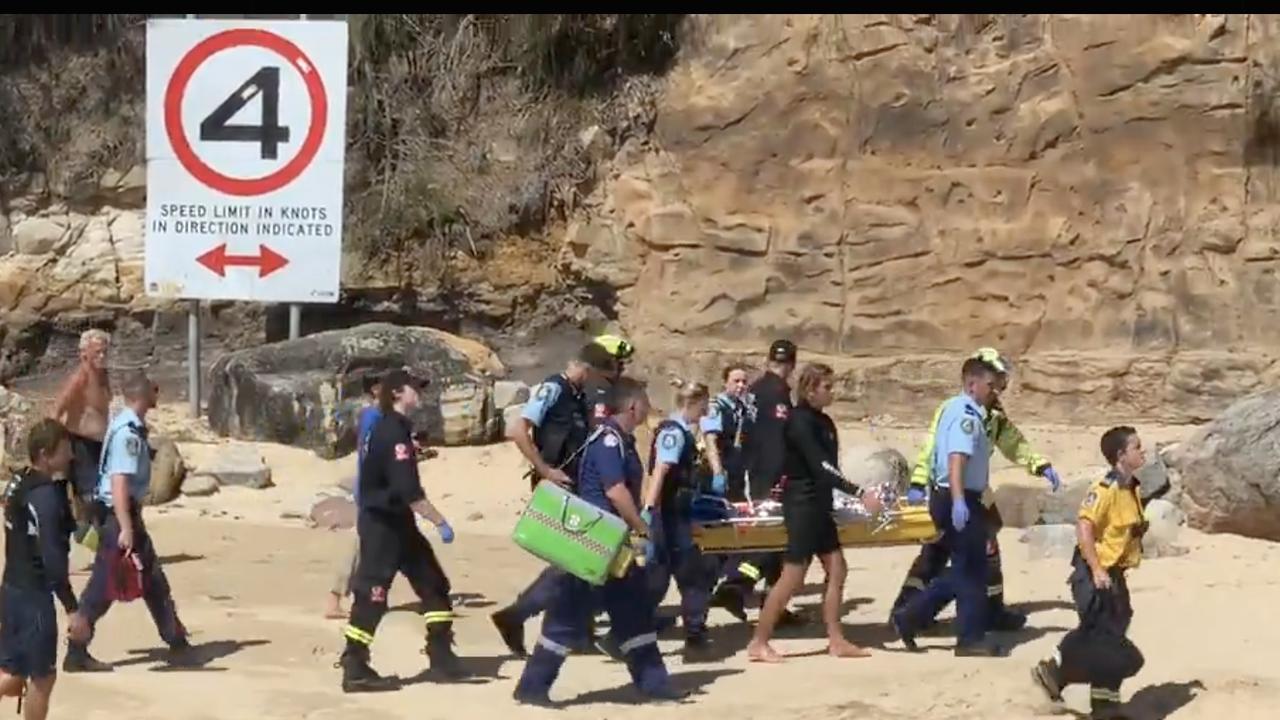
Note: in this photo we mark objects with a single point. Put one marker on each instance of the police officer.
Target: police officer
(961, 461)
(731, 409)
(38, 525)
(1110, 526)
(124, 479)
(1004, 435)
(768, 407)
(668, 510)
(390, 542)
(610, 478)
(550, 432)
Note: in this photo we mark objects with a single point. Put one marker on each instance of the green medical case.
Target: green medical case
(573, 535)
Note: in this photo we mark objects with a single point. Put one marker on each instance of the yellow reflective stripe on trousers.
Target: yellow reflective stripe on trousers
(914, 583)
(994, 590)
(1106, 694)
(749, 570)
(351, 632)
(441, 616)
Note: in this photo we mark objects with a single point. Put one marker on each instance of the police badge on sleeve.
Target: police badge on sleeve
(132, 445)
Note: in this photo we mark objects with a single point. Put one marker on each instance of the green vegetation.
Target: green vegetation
(460, 127)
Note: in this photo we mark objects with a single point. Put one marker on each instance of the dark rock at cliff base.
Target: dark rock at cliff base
(307, 392)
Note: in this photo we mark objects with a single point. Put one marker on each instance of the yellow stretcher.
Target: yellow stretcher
(903, 525)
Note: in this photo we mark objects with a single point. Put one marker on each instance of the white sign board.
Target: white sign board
(246, 133)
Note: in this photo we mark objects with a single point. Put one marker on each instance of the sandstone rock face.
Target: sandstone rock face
(1097, 195)
(293, 392)
(1230, 470)
(67, 262)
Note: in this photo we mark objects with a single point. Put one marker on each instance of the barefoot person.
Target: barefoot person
(346, 566)
(37, 526)
(82, 407)
(810, 474)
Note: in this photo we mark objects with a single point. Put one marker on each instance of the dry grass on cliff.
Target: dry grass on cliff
(461, 127)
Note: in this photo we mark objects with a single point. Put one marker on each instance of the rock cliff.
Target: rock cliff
(1094, 194)
(1097, 195)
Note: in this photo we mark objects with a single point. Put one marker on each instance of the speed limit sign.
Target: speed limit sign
(246, 134)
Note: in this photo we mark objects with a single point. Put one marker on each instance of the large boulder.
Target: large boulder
(1229, 470)
(868, 465)
(168, 471)
(307, 392)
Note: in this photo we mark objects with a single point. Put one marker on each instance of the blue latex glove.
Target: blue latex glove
(719, 484)
(446, 532)
(915, 494)
(959, 515)
(647, 516)
(1051, 475)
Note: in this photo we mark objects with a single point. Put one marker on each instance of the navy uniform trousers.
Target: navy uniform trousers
(566, 621)
(677, 556)
(96, 599)
(933, 557)
(965, 580)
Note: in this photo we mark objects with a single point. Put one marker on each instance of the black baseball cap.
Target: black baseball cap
(401, 377)
(783, 351)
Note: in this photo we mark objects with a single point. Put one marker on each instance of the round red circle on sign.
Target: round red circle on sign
(177, 88)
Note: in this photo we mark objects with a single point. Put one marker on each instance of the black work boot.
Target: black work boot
(182, 653)
(1048, 676)
(78, 660)
(730, 599)
(697, 647)
(358, 677)
(511, 630)
(982, 648)
(444, 664)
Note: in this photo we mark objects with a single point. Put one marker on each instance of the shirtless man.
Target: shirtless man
(83, 408)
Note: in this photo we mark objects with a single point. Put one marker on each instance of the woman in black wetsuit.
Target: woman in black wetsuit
(810, 473)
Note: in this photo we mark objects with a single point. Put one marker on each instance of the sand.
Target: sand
(250, 581)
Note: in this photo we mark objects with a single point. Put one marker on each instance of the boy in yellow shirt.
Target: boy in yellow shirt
(1109, 532)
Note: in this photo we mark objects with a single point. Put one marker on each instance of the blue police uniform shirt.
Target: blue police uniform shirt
(711, 422)
(369, 416)
(125, 453)
(542, 399)
(671, 441)
(961, 429)
(609, 459)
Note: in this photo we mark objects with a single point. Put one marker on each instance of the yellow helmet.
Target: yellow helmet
(616, 346)
(992, 357)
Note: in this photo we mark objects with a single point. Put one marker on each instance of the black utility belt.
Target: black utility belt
(947, 491)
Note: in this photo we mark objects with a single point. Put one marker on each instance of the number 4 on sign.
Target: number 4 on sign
(269, 133)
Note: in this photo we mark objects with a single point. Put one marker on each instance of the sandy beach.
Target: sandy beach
(250, 579)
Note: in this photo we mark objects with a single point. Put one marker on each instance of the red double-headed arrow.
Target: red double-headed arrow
(267, 260)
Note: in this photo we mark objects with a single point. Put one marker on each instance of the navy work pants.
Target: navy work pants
(566, 621)
(677, 556)
(96, 600)
(964, 580)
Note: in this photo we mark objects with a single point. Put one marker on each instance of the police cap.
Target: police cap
(783, 351)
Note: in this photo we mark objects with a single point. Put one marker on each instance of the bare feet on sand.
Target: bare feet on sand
(762, 652)
(333, 608)
(846, 649)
